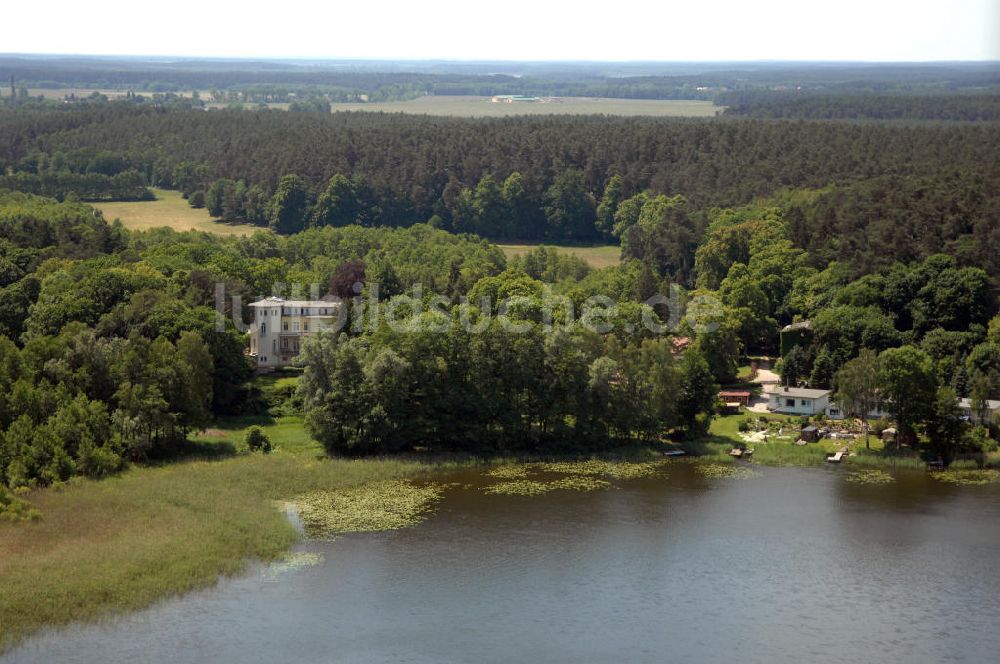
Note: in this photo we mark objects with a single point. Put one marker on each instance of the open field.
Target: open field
(464, 105)
(170, 209)
(470, 106)
(596, 257)
(116, 93)
(59, 93)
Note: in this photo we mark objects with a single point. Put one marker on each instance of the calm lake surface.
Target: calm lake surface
(793, 565)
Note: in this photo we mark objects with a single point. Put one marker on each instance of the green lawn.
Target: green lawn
(597, 257)
(724, 434)
(172, 210)
(287, 433)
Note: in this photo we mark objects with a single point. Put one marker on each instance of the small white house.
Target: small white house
(798, 401)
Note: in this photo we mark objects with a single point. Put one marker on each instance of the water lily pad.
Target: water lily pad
(581, 483)
(519, 488)
(623, 470)
(724, 470)
(514, 471)
(984, 476)
(373, 507)
(870, 477)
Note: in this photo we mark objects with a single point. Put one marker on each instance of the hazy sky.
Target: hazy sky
(513, 29)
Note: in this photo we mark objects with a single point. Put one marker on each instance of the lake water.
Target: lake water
(793, 565)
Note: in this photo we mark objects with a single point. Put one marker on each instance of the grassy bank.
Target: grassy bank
(122, 543)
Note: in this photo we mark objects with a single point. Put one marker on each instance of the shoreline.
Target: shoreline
(107, 547)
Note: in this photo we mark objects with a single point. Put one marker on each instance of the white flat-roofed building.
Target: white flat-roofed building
(797, 400)
(279, 326)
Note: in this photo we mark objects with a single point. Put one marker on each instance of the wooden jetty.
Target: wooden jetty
(838, 456)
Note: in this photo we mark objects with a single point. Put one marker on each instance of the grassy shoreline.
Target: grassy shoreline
(106, 547)
(121, 544)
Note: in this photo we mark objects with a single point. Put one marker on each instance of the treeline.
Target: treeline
(411, 169)
(863, 227)
(127, 186)
(493, 375)
(873, 223)
(111, 349)
(945, 310)
(750, 259)
(102, 360)
(566, 210)
(809, 105)
(908, 337)
(437, 386)
(87, 174)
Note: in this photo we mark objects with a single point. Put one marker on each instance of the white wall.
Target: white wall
(779, 403)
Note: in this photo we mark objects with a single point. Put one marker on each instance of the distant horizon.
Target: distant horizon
(852, 31)
(335, 58)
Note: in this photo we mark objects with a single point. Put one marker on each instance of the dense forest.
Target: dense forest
(862, 194)
(880, 237)
(115, 348)
(861, 106)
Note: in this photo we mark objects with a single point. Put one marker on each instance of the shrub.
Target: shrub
(880, 425)
(13, 508)
(257, 441)
(197, 199)
(979, 438)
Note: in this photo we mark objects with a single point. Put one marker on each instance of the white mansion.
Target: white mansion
(279, 325)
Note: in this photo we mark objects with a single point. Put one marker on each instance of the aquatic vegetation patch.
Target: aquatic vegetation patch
(519, 488)
(523, 480)
(581, 483)
(870, 477)
(622, 470)
(723, 470)
(292, 561)
(513, 471)
(373, 507)
(967, 477)
(525, 487)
